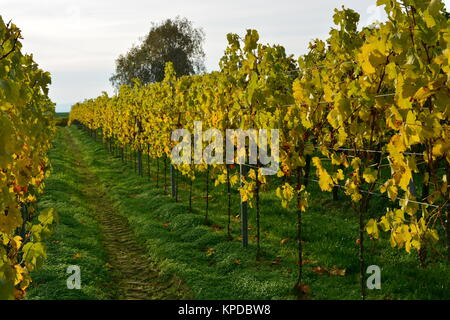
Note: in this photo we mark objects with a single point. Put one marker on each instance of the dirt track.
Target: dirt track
(135, 276)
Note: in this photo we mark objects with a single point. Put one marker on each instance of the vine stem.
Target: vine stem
(361, 254)
(299, 235)
(229, 202)
(258, 218)
(207, 195)
(190, 194)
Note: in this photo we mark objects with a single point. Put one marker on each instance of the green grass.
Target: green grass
(177, 239)
(77, 233)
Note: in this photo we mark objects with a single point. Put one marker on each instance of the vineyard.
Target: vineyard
(368, 109)
(362, 120)
(26, 131)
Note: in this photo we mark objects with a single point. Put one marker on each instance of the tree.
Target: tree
(174, 40)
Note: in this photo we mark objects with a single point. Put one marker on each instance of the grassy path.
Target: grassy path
(136, 277)
(131, 275)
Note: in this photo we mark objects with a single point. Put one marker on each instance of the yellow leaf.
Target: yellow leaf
(408, 246)
(234, 180)
(384, 223)
(392, 192)
(19, 274)
(370, 175)
(16, 242)
(339, 175)
(372, 228)
(422, 94)
(356, 197)
(356, 162)
(392, 240)
(325, 181)
(415, 244)
(405, 179)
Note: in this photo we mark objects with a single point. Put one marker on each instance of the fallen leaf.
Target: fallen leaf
(337, 272)
(209, 251)
(320, 270)
(216, 227)
(306, 261)
(235, 219)
(19, 294)
(303, 288)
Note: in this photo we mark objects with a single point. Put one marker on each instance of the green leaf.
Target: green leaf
(6, 290)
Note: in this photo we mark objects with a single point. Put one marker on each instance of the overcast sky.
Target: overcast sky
(78, 41)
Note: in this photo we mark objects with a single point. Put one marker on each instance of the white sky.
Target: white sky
(78, 41)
